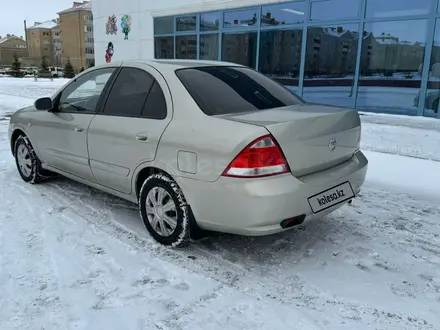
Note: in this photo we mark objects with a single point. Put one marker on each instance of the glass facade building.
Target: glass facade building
(373, 55)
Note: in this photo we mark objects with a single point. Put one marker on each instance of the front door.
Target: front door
(62, 134)
(128, 130)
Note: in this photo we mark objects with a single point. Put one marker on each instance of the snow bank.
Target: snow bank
(413, 176)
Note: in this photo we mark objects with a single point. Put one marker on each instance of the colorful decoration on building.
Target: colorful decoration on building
(126, 25)
(109, 53)
(111, 25)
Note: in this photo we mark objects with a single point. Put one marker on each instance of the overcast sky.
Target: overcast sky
(14, 12)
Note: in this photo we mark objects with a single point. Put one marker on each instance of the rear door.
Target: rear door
(127, 131)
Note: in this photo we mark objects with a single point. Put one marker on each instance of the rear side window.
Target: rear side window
(227, 90)
(156, 106)
(129, 93)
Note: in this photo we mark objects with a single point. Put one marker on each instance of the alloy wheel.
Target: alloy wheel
(24, 160)
(161, 211)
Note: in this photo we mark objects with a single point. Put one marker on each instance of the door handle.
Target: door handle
(141, 137)
(79, 129)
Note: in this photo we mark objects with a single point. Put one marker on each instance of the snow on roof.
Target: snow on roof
(334, 31)
(9, 37)
(387, 39)
(85, 5)
(44, 25)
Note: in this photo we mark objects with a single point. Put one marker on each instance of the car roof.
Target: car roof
(192, 63)
(174, 64)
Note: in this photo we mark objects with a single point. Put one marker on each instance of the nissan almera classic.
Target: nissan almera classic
(197, 144)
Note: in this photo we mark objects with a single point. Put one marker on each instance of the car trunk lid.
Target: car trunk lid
(312, 137)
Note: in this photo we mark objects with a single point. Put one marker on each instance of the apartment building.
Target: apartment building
(9, 46)
(76, 25)
(57, 46)
(40, 44)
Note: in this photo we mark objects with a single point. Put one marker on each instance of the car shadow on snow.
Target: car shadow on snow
(289, 247)
(317, 237)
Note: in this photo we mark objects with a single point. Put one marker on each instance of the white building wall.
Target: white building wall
(140, 43)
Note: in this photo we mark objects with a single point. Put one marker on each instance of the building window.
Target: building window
(390, 8)
(186, 23)
(270, 38)
(210, 21)
(88, 28)
(284, 13)
(280, 55)
(209, 47)
(334, 9)
(432, 98)
(164, 47)
(330, 64)
(163, 25)
(186, 47)
(240, 48)
(391, 64)
(240, 18)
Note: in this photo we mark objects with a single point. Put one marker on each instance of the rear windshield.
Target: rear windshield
(221, 90)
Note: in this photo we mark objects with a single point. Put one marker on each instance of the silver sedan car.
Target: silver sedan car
(198, 145)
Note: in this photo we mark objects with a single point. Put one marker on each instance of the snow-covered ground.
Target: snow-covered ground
(72, 257)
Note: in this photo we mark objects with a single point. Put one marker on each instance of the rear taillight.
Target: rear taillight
(262, 157)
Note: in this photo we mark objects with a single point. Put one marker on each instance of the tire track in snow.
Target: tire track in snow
(302, 295)
(39, 276)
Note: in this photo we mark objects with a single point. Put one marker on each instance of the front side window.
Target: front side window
(220, 90)
(129, 93)
(83, 94)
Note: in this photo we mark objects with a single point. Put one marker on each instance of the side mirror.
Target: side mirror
(44, 104)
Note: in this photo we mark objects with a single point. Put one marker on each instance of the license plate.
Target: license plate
(331, 197)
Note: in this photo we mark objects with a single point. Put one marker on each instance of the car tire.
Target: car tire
(28, 164)
(164, 210)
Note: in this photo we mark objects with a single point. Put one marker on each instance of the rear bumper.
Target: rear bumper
(257, 207)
